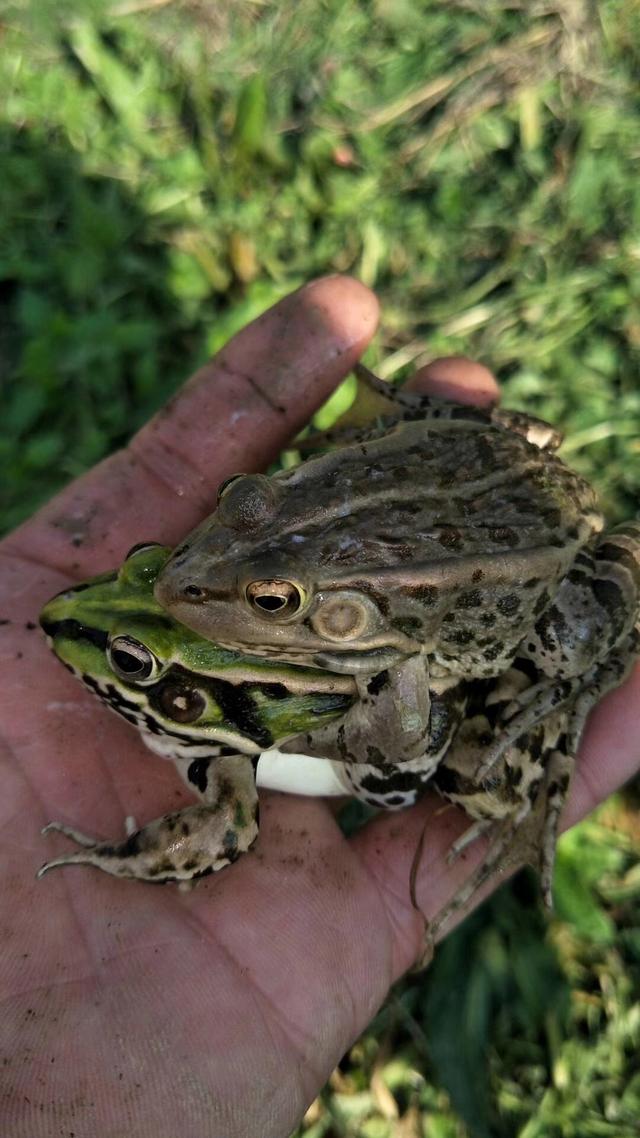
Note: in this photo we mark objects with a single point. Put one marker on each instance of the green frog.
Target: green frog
(210, 710)
(441, 543)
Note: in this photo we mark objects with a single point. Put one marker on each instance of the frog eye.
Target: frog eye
(140, 546)
(275, 599)
(180, 701)
(131, 660)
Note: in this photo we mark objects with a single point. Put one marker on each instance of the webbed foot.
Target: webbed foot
(180, 846)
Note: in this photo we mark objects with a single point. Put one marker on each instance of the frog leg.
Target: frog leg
(401, 719)
(529, 834)
(404, 403)
(596, 605)
(543, 698)
(585, 642)
(394, 788)
(185, 844)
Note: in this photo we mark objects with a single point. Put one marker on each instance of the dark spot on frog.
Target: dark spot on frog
(534, 747)
(488, 619)
(409, 625)
(459, 636)
(230, 844)
(577, 576)
(608, 594)
(492, 652)
(514, 776)
(504, 535)
(450, 538)
(446, 479)
(584, 560)
(541, 603)
(5, 620)
(388, 783)
(426, 594)
(375, 756)
(470, 600)
(528, 668)
(274, 691)
(450, 782)
(164, 868)
(560, 785)
(197, 773)
(30, 625)
(508, 605)
(377, 683)
(477, 576)
(545, 631)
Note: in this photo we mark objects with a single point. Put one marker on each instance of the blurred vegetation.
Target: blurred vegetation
(169, 170)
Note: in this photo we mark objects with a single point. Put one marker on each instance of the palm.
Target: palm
(218, 1011)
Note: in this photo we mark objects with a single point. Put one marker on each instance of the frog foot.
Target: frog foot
(529, 835)
(180, 846)
(469, 836)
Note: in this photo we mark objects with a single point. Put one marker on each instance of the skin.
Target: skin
(218, 1012)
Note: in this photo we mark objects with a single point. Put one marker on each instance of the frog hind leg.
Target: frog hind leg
(594, 610)
(185, 844)
(585, 642)
(528, 835)
(580, 692)
(405, 403)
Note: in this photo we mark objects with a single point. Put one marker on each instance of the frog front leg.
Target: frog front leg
(185, 844)
(402, 719)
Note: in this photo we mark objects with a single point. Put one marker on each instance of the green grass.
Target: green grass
(169, 171)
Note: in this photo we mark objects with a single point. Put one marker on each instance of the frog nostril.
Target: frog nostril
(193, 591)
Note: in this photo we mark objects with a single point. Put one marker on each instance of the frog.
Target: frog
(213, 711)
(437, 543)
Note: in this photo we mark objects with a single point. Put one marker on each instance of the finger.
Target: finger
(610, 749)
(235, 414)
(458, 378)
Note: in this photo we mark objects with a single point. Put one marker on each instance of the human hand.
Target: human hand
(222, 1011)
